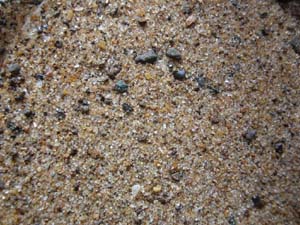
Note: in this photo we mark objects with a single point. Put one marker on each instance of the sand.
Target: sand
(220, 146)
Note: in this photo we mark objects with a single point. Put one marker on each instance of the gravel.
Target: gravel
(173, 53)
(179, 74)
(121, 86)
(147, 57)
(295, 43)
(182, 156)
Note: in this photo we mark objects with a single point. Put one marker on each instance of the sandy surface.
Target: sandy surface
(220, 146)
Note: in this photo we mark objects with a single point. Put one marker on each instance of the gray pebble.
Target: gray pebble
(250, 135)
(179, 74)
(173, 53)
(295, 43)
(14, 69)
(121, 86)
(147, 57)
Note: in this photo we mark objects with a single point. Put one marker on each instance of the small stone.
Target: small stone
(232, 220)
(142, 138)
(83, 107)
(102, 45)
(2, 185)
(295, 43)
(201, 81)
(257, 202)
(173, 53)
(186, 8)
(14, 69)
(39, 76)
(29, 114)
(135, 189)
(278, 147)
(178, 206)
(250, 135)
(113, 70)
(121, 86)
(60, 114)
(157, 189)
(2, 51)
(191, 20)
(20, 97)
(69, 15)
(142, 21)
(127, 108)
(179, 74)
(58, 44)
(147, 57)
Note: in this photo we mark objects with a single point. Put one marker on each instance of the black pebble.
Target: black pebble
(295, 43)
(127, 108)
(39, 76)
(278, 147)
(58, 44)
(60, 114)
(29, 114)
(257, 202)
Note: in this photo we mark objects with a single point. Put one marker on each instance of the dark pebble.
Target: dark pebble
(76, 187)
(29, 114)
(278, 147)
(60, 114)
(84, 106)
(127, 108)
(147, 57)
(201, 81)
(264, 15)
(14, 69)
(2, 185)
(177, 176)
(178, 206)
(250, 135)
(15, 130)
(58, 44)
(73, 152)
(231, 220)
(39, 76)
(20, 97)
(295, 43)
(173, 53)
(257, 202)
(121, 86)
(179, 74)
(2, 51)
(16, 81)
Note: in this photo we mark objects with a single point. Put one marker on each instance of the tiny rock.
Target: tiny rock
(147, 57)
(191, 20)
(121, 86)
(14, 69)
(179, 74)
(295, 43)
(157, 189)
(173, 53)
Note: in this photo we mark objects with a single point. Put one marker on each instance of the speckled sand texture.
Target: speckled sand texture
(91, 135)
